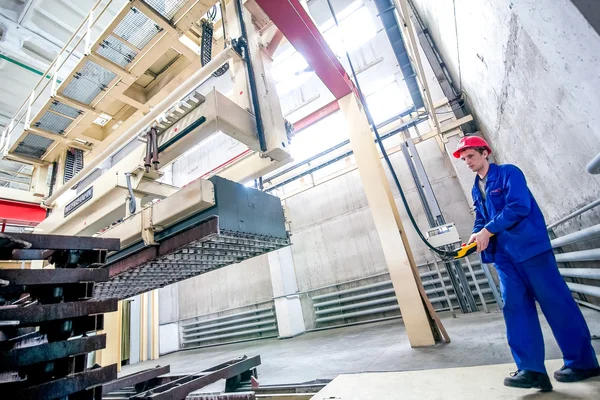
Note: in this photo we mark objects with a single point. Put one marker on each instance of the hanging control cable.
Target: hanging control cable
(457, 253)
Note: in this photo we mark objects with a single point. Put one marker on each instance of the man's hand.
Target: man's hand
(482, 238)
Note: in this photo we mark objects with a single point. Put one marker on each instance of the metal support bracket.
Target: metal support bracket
(148, 227)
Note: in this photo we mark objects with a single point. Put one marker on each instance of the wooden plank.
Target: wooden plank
(456, 124)
(463, 383)
(395, 249)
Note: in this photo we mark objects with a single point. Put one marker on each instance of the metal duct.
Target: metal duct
(579, 236)
(584, 273)
(576, 256)
(394, 34)
(593, 291)
(594, 166)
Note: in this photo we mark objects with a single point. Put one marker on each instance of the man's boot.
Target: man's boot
(529, 380)
(566, 374)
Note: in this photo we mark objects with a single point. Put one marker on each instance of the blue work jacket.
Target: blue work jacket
(511, 213)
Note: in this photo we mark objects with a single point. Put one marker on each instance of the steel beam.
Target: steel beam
(23, 356)
(36, 314)
(135, 378)
(60, 242)
(148, 254)
(59, 388)
(21, 213)
(300, 30)
(28, 277)
(180, 388)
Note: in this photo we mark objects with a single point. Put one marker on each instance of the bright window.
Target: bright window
(320, 136)
(386, 102)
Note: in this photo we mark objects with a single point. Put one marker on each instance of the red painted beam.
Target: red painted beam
(17, 213)
(299, 29)
(316, 116)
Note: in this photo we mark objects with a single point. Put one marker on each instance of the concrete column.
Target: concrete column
(134, 334)
(396, 250)
(285, 291)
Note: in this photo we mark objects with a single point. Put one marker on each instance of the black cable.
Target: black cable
(362, 99)
(132, 205)
(243, 43)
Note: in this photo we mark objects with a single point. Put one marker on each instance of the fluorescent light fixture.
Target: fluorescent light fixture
(102, 119)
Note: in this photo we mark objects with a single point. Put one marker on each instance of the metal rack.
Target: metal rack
(48, 317)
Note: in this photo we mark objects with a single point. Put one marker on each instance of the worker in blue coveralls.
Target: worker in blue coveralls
(510, 232)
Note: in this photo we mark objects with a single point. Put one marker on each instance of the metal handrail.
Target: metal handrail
(574, 214)
(30, 99)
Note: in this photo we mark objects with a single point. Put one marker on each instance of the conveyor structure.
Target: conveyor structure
(205, 226)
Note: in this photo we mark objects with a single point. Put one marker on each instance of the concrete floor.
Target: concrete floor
(477, 339)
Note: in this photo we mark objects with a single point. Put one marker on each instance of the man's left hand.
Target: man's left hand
(482, 238)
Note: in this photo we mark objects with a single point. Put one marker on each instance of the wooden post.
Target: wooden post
(143, 327)
(154, 324)
(387, 223)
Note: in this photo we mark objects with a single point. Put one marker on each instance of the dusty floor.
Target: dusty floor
(477, 339)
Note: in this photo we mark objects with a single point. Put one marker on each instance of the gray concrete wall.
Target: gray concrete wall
(529, 72)
(233, 286)
(334, 238)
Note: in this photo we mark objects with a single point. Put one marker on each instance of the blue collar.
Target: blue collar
(492, 174)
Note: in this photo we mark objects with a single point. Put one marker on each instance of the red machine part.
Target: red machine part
(18, 213)
(299, 29)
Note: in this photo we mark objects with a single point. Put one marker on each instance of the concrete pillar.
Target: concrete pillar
(134, 334)
(396, 250)
(285, 292)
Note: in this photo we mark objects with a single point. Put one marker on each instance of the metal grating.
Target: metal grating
(167, 8)
(216, 250)
(136, 28)
(116, 51)
(73, 164)
(54, 123)
(33, 146)
(88, 83)
(65, 109)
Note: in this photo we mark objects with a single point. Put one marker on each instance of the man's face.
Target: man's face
(474, 160)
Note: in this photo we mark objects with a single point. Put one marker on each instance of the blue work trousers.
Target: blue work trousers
(538, 279)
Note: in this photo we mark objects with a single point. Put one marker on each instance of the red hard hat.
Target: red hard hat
(468, 142)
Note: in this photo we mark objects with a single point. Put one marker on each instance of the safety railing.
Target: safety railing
(50, 76)
(257, 323)
(371, 302)
(585, 280)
